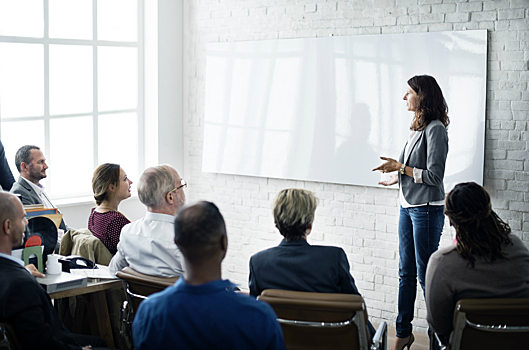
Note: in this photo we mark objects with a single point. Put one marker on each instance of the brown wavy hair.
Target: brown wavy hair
(431, 105)
(479, 230)
(105, 175)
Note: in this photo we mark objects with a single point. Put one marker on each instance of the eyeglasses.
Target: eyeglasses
(183, 184)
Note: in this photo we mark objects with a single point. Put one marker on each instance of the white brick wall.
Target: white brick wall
(362, 220)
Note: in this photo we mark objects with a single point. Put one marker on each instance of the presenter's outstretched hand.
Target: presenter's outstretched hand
(391, 181)
(390, 165)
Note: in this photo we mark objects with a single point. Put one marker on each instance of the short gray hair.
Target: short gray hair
(154, 184)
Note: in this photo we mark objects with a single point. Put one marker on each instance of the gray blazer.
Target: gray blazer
(28, 196)
(429, 154)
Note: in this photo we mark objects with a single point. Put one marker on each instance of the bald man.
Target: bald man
(23, 302)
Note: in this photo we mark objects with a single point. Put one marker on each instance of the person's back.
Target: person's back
(208, 316)
(202, 311)
(297, 265)
(486, 262)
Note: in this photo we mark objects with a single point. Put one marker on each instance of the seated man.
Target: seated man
(487, 261)
(295, 264)
(31, 165)
(23, 302)
(201, 311)
(147, 245)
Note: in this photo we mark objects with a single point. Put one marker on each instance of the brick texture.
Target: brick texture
(361, 220)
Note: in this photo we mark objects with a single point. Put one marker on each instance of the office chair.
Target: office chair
(489, 324)
(138, 287)
(323, 320)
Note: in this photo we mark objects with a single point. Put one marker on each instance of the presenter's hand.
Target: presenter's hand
(390, 165)
(391, 181)
(31, 268)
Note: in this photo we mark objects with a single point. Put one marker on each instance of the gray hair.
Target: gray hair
(154, 184)
(24, 155)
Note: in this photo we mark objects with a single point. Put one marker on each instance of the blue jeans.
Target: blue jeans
(420, 230)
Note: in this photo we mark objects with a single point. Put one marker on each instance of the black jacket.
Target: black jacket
(26, 306)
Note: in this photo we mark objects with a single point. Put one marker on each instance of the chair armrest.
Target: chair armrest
(438, 343)
(380, 337)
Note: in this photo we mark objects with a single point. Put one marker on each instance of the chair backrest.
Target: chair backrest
(139, 286)
(491, 324)
(320, 320)
(8, 338)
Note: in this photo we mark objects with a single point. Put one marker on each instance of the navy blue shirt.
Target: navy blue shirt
(209, 316)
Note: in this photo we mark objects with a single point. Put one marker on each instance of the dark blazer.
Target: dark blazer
(302, 267)
(29, 197)
(25, 305)
(6, 176)
(429, 154)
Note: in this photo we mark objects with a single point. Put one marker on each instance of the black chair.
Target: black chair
(138, 287)
(8, 338)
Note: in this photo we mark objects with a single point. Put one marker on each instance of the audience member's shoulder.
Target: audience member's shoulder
(329, 249)
(443, 252)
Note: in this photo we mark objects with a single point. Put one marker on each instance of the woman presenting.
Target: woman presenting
(420, 168)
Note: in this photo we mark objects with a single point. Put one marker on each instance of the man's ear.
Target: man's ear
(23, 166)
(224, 242)
(169, 197)
(7, 226)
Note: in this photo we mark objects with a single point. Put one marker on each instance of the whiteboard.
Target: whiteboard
(325, 109)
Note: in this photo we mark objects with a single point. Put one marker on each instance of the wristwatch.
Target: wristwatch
(402, 168)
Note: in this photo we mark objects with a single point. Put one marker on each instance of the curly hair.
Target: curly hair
(431, 104)
(479, 230)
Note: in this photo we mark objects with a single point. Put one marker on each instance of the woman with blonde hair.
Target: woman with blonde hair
(111, 186)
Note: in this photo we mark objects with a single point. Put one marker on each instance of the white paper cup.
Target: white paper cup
(54, 266)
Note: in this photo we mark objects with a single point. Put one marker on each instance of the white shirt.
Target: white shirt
(39, 190)
(147, 245)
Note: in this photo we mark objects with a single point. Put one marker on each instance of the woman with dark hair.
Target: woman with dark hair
(420, 168)
(486, 262)
(110, 185)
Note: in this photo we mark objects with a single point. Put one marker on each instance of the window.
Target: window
(71, 75)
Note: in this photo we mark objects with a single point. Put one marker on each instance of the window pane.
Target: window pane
(70, 19)
(70, 79)
(18, 134)
(21, 80)
(71, 159)
(22, 18)
(117, 78)
(118, 141)
(117, 20)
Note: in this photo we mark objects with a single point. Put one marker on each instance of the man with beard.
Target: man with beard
(31, 165)
(23, 302)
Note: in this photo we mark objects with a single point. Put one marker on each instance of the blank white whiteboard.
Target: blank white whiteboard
(325, 109)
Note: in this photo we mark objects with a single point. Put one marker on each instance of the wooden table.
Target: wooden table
(98, 311)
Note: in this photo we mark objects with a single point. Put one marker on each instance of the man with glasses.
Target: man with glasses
(147, 245)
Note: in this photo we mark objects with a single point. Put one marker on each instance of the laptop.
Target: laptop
(64, 281)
